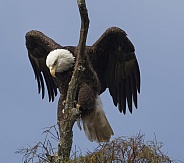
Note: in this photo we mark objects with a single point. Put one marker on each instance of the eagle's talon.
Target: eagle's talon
(64, 102)
(78, 106)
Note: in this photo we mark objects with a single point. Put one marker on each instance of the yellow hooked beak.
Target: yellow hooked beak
(52, 70)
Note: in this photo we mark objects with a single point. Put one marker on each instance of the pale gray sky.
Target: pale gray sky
(156, 28)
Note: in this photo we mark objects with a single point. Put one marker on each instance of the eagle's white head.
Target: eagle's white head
(59, 60)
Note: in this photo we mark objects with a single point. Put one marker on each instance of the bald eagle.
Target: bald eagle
(110, 63)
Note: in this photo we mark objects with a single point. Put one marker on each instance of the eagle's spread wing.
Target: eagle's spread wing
(119, 67)
(39, 46)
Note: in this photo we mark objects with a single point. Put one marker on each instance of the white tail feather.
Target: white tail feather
(96, 125)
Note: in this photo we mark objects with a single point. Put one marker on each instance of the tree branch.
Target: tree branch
(70, 114)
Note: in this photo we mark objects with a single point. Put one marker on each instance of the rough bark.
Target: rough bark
(69, 113)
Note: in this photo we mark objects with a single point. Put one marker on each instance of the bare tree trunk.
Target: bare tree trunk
(68, 116)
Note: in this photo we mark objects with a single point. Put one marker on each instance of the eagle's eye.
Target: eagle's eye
(55, 63)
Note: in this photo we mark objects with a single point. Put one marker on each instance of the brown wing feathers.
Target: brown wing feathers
(39, 46)
(122, 70)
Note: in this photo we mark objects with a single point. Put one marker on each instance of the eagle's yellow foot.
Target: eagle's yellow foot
(76, 105)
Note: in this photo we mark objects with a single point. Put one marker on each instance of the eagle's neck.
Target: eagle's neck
(61, 58)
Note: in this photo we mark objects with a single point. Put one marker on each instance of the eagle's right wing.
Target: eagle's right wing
(39, 46)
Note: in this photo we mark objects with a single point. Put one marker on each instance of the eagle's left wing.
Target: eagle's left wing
(39, 46)
(117, 67)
